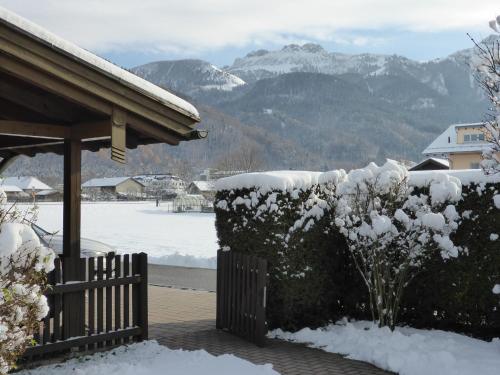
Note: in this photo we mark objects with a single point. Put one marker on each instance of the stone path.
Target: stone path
(185, 319)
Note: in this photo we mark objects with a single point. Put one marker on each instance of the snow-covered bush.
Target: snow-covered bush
(24, 263)
(391, 230)
(288, 218)
(488, 75)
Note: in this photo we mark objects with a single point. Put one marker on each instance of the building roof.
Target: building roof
(98, 63)
(107, 182)
(10, 188)
(47, 192)
(438, 162)
(446, 142)
(205, 186)
(26, 183)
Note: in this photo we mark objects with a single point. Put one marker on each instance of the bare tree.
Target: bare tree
(248, 158)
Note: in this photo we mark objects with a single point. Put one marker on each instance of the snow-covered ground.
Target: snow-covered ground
(406, 351)
(179, 239)
(149, 358)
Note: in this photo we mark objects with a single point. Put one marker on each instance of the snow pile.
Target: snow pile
(405, 351)
(23, 265)
(150, 358)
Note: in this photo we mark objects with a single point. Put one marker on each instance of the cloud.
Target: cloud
(199, 25)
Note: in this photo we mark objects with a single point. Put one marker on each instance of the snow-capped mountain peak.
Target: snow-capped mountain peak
(188, 76)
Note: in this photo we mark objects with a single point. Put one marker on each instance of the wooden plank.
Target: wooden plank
(143, 290)
(100, 299)
(253, 298)
(218, 292)
(135, 292)
(91, 303)
(81, 341)
(85, 285)
(57, 301)
(238, 293)
(34, 129)
(261, 309)
(247, 295)
(46, 330)
(117, 292)
(109, 297)
(126, 295)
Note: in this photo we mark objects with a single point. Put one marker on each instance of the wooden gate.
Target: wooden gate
(114, 309)
(241, 295)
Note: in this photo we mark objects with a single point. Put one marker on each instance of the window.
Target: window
(474, 165)
(474, 137)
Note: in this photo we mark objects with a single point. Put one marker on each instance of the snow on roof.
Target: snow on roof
(441, 145)
(443, 162)
(205, 185)
(26, 183)
(466, 176)
(10, 188)
(46, 192)
(106, 181)
(98, 63)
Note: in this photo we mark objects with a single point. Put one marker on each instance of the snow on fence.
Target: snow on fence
(115, 310)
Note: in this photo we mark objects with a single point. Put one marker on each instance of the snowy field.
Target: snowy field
(149, 358)
(406, 351)
(179, 239)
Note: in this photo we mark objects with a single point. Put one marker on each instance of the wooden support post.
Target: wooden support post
(140, 294)
(73, 265)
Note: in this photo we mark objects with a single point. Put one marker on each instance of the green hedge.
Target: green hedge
(313, 280)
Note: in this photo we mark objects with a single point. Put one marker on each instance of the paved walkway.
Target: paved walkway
(185, 319)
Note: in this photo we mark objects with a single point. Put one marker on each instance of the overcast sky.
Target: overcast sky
(131, 32)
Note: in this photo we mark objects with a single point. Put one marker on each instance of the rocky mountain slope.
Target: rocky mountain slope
(302, 107)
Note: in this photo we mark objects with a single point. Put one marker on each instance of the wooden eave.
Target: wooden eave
(46, 86)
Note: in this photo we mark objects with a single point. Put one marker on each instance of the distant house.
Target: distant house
(205, 188)
(14, 193)
(113, 187)
(29, 184)
(431, 164)
(49, 196)
(461, 144)
(163, 186)
(212, 174)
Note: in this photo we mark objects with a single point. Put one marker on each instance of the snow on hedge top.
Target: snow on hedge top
(291, 180)
(276, 180)
(466, 176)
(98, 63)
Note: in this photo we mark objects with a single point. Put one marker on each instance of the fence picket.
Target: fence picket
(100, 299)
(91, 316)
(126, 295)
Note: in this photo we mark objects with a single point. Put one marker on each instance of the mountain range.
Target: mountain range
(302, 107)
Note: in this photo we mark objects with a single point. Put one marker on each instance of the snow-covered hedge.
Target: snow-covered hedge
(24, 263)
(288, 218)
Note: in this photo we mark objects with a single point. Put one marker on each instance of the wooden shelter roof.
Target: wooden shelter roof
(51, 90)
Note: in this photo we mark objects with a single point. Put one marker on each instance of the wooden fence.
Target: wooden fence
(241, 295)
(111, 306)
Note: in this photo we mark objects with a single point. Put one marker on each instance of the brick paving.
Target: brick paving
(185, 319)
